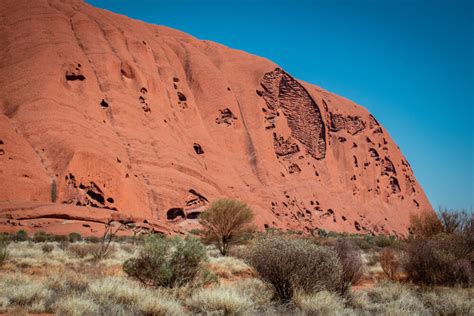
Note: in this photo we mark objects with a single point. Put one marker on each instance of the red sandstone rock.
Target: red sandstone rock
(107, 117)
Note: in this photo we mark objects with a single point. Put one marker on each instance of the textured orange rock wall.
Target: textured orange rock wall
(107, 113)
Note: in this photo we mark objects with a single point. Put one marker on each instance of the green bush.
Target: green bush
(291, 265)
(167, 262)
(20, 235)
(74, 237)
(383, 241)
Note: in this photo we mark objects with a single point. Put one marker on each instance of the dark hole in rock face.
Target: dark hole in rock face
(344, 218)
(96, 196)
(266, 226)
(228, 89)
(2, 152)
(341, 139)
(357, 226)
(110, 200)
(143, 90)
(72, 77)
(104, 104)
(175, 79)
(181, 96)
(173, 213)
(198, 149)
(193, 215)
(1, 142)
(86, 225)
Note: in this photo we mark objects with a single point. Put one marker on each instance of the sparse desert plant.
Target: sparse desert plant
(389, 263)
(320, 303)
(47, 248)
(434, 261)
(295, 264)
(225, 221)
(219, 299)
(351, 261)
(21, 235)
(40, 237)
(167, 262)
(81, 250)
(260, 292)
(74, 237)
(425, 224)
(3, 249)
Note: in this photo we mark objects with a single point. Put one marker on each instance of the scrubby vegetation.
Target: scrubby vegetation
(273, 273)
(225, 221)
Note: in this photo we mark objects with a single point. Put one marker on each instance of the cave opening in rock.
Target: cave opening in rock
(193, 215)
(175, 212)
(198, 149)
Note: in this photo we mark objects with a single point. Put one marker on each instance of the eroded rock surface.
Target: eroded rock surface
(104, 116)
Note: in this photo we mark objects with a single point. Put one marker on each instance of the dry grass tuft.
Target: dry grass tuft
(321, 303)
(227, 267)
(220, 299)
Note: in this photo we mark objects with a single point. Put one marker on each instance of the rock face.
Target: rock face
(124, 119)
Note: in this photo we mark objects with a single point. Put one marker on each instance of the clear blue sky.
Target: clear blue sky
(411, 63)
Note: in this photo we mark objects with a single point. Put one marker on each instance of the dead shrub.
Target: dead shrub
(351, 261)
(425, 225)
(291, 265)
(47, 248)
(389, 263)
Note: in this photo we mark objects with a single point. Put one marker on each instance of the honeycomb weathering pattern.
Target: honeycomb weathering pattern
(104, 117)
(302, 112)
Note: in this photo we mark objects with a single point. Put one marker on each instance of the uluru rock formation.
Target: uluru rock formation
(105, 117)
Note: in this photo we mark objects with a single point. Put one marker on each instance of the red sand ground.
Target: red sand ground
(102, 115)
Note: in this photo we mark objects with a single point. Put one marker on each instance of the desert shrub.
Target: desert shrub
(167, 262)
(3, 249)
(41, 237)
(437, 261)
(454, 221)
(383, 241)
(219, 299)
(425, 225)
(226, 221)
(92, 239)
(444, 253)
(20, 235)
(295, 264)
(80, 250)
(320, 303)
(389, 263)
(351, 262)
(74, 237)
(47, 248)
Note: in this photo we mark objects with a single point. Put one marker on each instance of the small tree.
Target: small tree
(226, 220)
